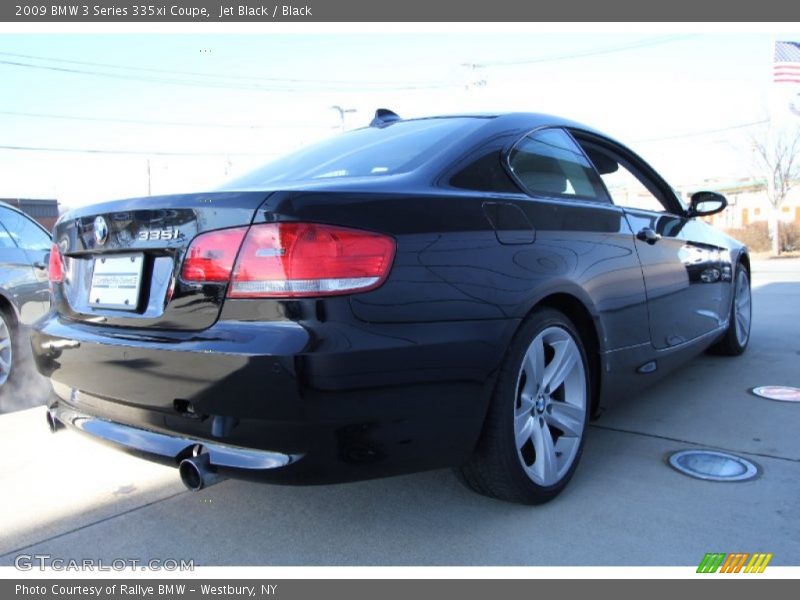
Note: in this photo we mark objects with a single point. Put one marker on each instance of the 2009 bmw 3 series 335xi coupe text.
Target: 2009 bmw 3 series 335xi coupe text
(461, 291)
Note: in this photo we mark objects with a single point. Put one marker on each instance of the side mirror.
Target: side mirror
(704, 204)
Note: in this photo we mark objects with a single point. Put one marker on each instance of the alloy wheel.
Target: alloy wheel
(742, 308)
(550, 409)
(6, 350)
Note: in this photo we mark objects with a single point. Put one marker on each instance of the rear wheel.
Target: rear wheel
(534, 431)
(737, 336)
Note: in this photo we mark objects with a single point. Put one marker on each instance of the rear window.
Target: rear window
(369, 152)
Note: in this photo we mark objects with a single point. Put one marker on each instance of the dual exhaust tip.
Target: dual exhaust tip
(196, 472)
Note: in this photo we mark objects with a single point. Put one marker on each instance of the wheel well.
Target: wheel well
(580, 316)
(7, 309)
(744, 258)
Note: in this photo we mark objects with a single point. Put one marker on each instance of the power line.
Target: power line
(360, 85)
(218, 75)
(700, 133)
(167, 153)
(215, 84)
(159, 123)
(587, 54)
(131, 152)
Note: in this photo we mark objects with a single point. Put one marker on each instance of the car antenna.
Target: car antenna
(384, 117)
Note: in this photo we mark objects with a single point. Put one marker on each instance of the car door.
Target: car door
(580, 235)
(683, 272)
(24, 248)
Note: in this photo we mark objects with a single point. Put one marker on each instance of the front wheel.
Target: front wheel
(737, 336)
(534, 431)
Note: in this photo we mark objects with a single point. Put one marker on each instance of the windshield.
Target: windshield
(369, 152)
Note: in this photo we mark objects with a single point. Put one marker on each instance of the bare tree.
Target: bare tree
(776, 157)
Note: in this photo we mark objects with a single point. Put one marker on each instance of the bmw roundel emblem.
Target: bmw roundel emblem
(100, 231)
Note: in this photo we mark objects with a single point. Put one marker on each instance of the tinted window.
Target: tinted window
(5, 238)
(24, 231)
(485, 174)
(549, 163)
(368, 152)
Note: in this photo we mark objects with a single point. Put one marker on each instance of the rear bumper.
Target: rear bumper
(174, 448)
(298, 402)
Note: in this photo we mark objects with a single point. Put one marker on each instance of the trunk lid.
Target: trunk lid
(122, 259)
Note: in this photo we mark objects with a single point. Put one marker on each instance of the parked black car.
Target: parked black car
(456, 291)
(24, 295)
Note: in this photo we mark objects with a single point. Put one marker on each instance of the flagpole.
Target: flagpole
(773, 225)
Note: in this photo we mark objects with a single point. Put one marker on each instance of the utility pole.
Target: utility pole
(342, 112)
(149, 192)
(474, 83)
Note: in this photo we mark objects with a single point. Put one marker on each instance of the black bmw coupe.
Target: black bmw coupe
(460, 291)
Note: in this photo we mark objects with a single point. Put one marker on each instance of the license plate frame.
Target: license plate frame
(116, 281)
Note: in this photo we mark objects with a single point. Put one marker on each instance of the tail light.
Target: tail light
(293, 260)
(211, 256)
(290, 260)
(55, 266)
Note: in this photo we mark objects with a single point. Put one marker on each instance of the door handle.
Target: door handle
(40, 265)
(648, 235)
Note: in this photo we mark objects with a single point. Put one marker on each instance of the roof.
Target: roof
(34, 207)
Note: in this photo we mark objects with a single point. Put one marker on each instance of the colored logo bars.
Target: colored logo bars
(734, 563)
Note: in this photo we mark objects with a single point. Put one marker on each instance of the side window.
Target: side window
(626, 188)
(549, 163)
(5, 238)
(24, 232)
(486, 174)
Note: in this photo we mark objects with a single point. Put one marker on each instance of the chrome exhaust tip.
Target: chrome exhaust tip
(197, 473)
(52, 423)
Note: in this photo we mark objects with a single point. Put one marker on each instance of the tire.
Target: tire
(8, 349)
(737, 336)
(533, 435)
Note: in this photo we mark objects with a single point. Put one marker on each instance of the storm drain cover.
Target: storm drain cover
(712, 466)
(781, 393)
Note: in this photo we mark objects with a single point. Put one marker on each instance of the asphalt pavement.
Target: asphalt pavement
(71, 498)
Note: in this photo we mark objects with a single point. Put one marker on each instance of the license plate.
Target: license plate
(116, 281)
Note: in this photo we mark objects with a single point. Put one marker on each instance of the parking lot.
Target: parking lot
(71, 498)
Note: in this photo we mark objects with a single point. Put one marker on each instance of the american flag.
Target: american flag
(786, 68)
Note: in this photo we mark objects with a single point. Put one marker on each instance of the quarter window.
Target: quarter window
(549, 163)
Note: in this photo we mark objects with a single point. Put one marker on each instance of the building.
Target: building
(44, 211)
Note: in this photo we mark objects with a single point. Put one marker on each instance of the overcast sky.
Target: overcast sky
(231, 102)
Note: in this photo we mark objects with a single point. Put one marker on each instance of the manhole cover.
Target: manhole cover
(713, 466)
(781, 393)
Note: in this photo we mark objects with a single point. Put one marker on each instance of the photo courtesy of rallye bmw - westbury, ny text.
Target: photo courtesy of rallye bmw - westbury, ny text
(63, 591)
